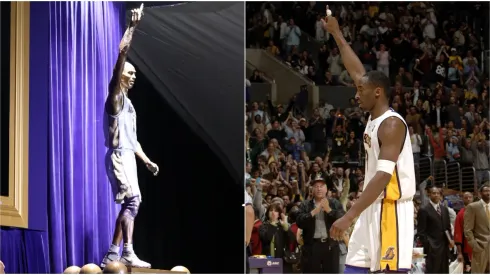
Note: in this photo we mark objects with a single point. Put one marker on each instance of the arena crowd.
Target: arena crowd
(433, 56)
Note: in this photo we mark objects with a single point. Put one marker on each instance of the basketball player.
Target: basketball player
(120, 131)
(382, 238)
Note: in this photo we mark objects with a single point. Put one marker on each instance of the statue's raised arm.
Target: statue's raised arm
(117, 86)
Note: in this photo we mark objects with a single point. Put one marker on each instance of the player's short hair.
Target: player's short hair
(379, 79)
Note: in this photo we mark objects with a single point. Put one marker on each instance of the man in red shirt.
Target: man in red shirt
(464, 250)
(439, 146)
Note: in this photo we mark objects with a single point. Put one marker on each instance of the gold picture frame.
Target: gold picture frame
(14, 208)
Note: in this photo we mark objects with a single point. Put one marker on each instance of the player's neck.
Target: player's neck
(124, 89)
(377, 112)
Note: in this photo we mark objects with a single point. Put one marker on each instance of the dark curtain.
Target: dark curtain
(194, 56)
(84, 42)
(189, 100)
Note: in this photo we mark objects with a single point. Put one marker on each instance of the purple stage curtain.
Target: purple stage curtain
(84, 42)
(24, 251)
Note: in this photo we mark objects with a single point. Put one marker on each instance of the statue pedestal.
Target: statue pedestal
(134, 270)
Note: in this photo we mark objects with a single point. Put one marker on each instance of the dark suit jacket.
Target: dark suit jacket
(431, 226)
(431, 231)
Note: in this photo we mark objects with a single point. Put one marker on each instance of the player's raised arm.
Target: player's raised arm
(349, 58)
(391, 134)
(114, 88)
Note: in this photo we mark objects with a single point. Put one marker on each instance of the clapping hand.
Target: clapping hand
(283, 218)
(326, 206)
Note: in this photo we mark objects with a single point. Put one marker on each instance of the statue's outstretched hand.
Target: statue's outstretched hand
(153, 168)
(136, 15)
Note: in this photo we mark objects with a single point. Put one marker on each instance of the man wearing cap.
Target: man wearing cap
(315, 217)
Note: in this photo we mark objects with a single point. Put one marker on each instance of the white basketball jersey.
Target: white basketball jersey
(402, 183)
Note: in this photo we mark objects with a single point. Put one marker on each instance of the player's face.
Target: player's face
(366, 95)
(129, 75)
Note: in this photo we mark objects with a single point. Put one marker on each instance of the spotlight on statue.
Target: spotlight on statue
(180, 268)
(115, 268)
(72, 270)
(90, 269)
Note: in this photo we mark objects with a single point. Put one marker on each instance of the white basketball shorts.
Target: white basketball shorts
(383, 237)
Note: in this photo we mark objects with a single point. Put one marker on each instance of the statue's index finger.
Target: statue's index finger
(142, 5)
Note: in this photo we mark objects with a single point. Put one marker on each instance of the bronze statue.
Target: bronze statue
(122, 143)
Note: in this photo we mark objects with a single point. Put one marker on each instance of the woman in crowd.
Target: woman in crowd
(275, 234)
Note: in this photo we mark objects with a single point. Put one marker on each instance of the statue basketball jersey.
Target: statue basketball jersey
(125, 125)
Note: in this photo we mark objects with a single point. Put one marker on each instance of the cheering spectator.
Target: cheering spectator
(315, 217)
(274, 232)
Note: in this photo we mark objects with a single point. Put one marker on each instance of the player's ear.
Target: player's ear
(377, 92)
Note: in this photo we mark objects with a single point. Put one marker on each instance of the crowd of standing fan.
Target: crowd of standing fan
(299, 166)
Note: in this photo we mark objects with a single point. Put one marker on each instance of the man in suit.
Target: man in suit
(433, 225)
(477, 230)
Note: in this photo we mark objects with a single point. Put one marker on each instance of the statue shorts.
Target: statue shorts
(123, 174)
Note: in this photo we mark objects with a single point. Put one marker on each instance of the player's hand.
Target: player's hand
(153, 168)
(136, 15)
(451, 244)
(339, 227)
(330, 23)
(460, 257)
